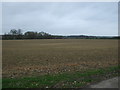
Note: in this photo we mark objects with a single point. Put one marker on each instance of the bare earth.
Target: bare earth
(38, 57)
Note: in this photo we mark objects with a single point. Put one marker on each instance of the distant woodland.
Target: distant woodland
(17, 34)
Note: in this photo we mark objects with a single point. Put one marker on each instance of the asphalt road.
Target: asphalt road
(110, 83)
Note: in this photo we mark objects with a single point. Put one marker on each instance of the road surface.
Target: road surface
(110, 83)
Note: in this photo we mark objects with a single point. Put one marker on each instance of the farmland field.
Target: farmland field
(51, 56)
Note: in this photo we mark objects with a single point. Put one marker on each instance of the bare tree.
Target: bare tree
(19, 32)
(13, 32)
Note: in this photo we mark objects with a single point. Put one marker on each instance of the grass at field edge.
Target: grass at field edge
(64, 80)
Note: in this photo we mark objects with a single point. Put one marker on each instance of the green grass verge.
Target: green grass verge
(74, 79)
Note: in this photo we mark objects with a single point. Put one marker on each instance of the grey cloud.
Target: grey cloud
(62, 18)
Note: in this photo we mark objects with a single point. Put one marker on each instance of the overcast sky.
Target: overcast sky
(62, 18)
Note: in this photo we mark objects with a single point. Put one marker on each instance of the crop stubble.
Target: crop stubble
(37, 57)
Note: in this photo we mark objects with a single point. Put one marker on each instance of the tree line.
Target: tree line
(17, 34)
